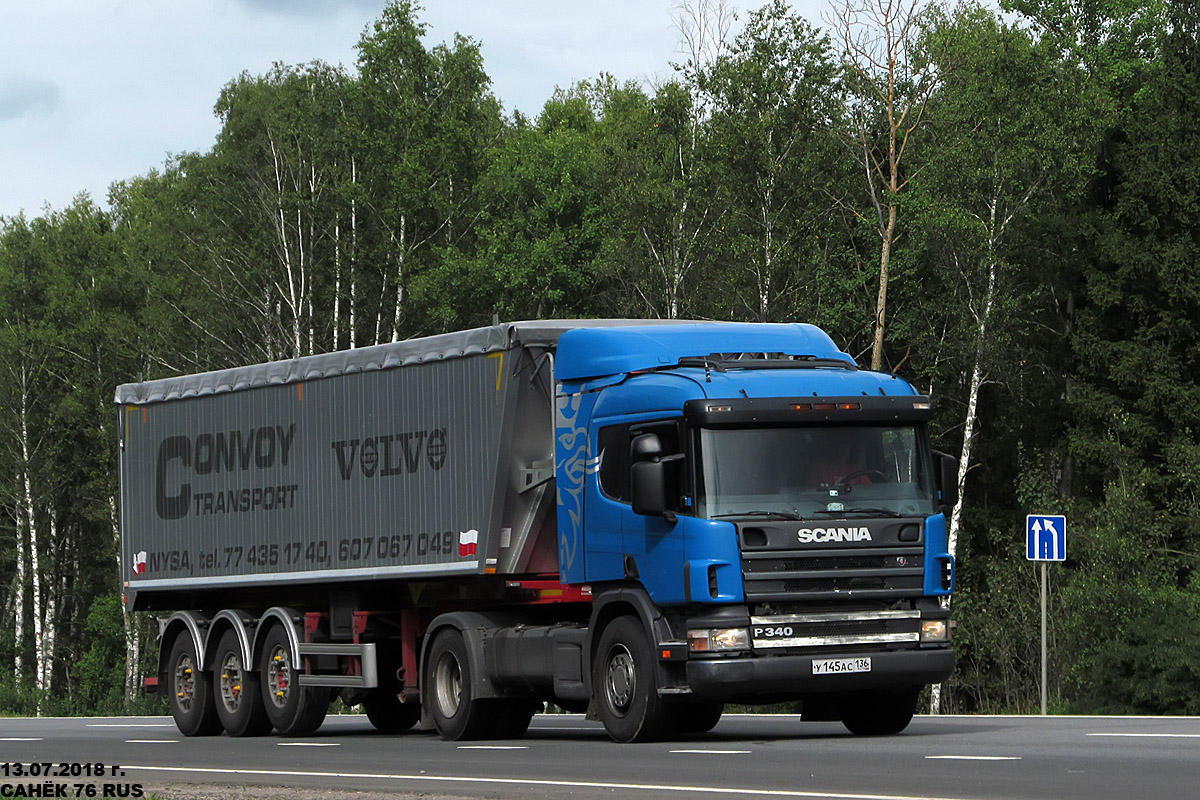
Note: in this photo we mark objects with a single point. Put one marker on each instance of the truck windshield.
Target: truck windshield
(815, 472)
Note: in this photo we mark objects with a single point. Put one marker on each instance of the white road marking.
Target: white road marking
(22, 739)
(974, 758)
(151, 741)
(638, 787)
(308, 744)
(715, 752)
(1152, 735)
(492, 747)
(130, 725)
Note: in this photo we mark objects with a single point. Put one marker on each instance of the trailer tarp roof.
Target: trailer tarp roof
(384, 356)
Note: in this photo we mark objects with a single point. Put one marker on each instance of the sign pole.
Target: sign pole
(1045, 540)
(1044, 638)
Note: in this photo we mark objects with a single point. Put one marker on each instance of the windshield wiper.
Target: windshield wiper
(887, 512)
(775, 514)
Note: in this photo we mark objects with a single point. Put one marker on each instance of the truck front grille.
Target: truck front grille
(883, 573)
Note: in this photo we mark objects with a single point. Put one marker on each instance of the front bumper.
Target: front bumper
(791, 676)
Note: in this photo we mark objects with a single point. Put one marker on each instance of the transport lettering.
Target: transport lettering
(216, 453)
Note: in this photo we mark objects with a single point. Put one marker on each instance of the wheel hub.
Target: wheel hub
(185, 682)
(231, 682)
(620, 680)
(279, 676)
(448, 685)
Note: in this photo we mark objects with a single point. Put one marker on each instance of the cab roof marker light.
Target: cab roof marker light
(922, 405)
(720, 408)
(801, 407)
(849, 406)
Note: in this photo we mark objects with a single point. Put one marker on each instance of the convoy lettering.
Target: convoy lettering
(216, 453)
(816, 535)
(386, 455)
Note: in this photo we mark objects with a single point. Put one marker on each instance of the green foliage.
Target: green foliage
(100, 674)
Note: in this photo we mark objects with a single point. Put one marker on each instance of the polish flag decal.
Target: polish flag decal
(468, 543)
(139, 563)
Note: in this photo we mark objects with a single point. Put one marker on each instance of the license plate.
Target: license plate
(837, 666)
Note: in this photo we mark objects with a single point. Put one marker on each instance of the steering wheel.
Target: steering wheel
(873, 475)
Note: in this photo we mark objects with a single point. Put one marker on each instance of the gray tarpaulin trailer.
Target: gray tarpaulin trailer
(421, 458)
(613, 515)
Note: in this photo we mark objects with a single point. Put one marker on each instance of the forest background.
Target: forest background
(1001, 206)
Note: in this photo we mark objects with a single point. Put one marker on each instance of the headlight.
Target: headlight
(718, 639)
(935, 630)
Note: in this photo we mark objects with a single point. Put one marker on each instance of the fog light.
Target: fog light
(720, 639)
(935, 630)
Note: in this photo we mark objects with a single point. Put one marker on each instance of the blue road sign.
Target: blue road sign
(1045, 538)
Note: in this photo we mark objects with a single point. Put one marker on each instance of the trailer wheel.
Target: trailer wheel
(387, 713)
(696, 717)
(293, 709)
(879, 712)
(623, 678)
(191, 695)
(237, 697)
(450, 690)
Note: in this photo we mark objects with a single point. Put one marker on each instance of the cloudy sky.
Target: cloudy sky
(94, 91)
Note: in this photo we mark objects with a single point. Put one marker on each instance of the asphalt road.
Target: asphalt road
(1089, 758)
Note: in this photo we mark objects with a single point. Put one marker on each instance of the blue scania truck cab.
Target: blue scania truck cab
(772, 513)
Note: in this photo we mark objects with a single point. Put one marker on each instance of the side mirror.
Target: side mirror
(947, 478)
(648, 477)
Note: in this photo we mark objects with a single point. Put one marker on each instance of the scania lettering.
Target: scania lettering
(641, 520)
(806, 535)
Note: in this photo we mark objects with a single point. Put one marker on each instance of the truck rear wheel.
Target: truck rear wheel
(879, 712)
(238, 699)
(387, 713)
(293, 709)
(450, 690)
(191, 696)
(623, 678)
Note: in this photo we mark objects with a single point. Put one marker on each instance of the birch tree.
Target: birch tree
(891, 81)
(1008, 95)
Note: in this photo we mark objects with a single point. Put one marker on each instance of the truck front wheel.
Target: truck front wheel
(293, 709)
(624, 682)
(191, 691)
(879, 712)
(238, 699)
(450, 690)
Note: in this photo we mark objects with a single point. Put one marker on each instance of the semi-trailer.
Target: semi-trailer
(641, 520)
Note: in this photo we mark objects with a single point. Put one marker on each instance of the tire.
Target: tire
(879, 712)
(696, 717)
(449, 686)
(623, 678)
(190, 689)
(387, 713)
(236, 692)
(293, 709)
(510, 718)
